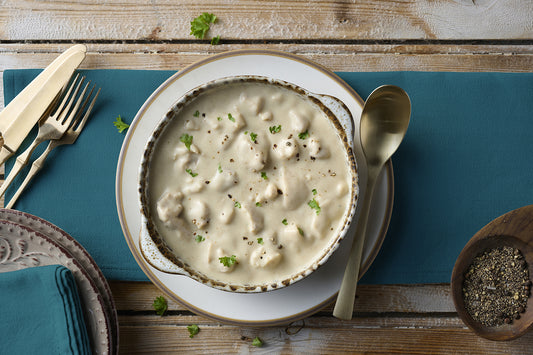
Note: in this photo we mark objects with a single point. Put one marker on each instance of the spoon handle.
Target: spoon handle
(346, 296)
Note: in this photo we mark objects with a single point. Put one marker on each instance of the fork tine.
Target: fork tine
(79, 127)
(64, 115)
(59, 108)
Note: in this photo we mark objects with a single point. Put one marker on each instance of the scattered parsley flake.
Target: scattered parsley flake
(275, 129)
(227, 261)
(257, 342)
(201, 24)
(231, 118)
(237, 204)
(253, 136)
(314, 191)
(187, 140)
(199, 238)
(314, 205)
(264, 175)
(258, 204)
(219, 118)
(160, 305)
(303, 135)
(121, 125)
(220, 169)
(260, 241)
(215, 40)
(301, 231)
(285, 221)
(193, 330)
(196, 113)
(191, 173)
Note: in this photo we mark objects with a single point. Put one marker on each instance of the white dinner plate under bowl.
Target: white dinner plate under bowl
(259, 309)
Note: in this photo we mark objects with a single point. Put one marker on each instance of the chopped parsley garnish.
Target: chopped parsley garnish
(160, 305)
(191, 173)
(121, 125)
(237, 204)
(303, 135)
(219, 169)
(314, 191)
(314, 205)
(275, 129)
(301, 231)
(187, 140)
(196, 113)
(215, 40)
(201, 24)
(199, 238)
(219, 118)
(260, 241)
(193, 330)
(264, 175)
(231, 118)
(258, 204)
(257, 342)
(227, 261)
(253, 136)
(285, 221)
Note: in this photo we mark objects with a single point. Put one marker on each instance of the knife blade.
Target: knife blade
(18, 118)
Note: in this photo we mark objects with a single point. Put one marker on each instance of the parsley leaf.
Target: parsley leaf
(264, 175)
(314, 191)
(227, 261)
(160, 305)
(196, 113)
(303, 135)
(193, 330)
(257, 342)
(275, 129)
(187, 140)
(201, 24)
(285, 221)
(231, 118)
(260, 241)
(121, 125)
(253, 136)
(191, 173)
(219, 118)
(215, 40)
(314, 205)
(301, 231)
(219, 168)
(258, 204)
(237, 204)
(199, 238)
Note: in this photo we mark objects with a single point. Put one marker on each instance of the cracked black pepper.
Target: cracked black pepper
(496, 286)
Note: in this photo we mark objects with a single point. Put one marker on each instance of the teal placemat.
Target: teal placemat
(465, 161)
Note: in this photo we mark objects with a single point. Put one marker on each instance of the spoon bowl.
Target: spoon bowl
(384, 122)
(513, 229)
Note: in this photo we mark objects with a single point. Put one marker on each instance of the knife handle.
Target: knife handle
(4, 154)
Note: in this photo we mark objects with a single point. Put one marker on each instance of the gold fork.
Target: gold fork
(52, 127)
(69, 137)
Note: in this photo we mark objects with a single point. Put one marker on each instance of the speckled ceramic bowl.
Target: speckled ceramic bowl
(154, 248)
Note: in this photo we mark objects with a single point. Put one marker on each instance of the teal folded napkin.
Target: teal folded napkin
(41, 312)
(465, 160)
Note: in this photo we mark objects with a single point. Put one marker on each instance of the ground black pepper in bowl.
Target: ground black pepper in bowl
(496, 286)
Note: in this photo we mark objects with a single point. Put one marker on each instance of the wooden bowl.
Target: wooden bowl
(513, 229)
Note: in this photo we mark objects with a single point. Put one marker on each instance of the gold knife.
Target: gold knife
(23, 112)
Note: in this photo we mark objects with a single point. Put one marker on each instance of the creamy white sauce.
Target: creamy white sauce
(265, 179)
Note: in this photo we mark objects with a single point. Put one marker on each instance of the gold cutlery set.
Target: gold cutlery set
(60, 110)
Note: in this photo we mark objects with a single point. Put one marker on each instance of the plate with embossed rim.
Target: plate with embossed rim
(22, 247)
(259, 309)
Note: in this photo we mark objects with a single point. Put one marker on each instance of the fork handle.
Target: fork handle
(21, 162)
(35, 167)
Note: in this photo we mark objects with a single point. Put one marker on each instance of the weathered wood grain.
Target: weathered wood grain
(267, 20)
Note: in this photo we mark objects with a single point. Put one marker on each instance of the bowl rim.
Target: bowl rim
(189, 271)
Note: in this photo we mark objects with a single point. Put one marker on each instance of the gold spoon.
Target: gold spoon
(384, 121)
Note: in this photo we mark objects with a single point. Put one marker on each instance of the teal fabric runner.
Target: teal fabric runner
(465, 161)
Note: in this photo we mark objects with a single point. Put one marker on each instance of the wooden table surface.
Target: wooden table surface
(365, 35)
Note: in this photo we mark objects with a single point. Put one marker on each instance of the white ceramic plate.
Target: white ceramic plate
(22, 247)
(56, 234)
(276, 307)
